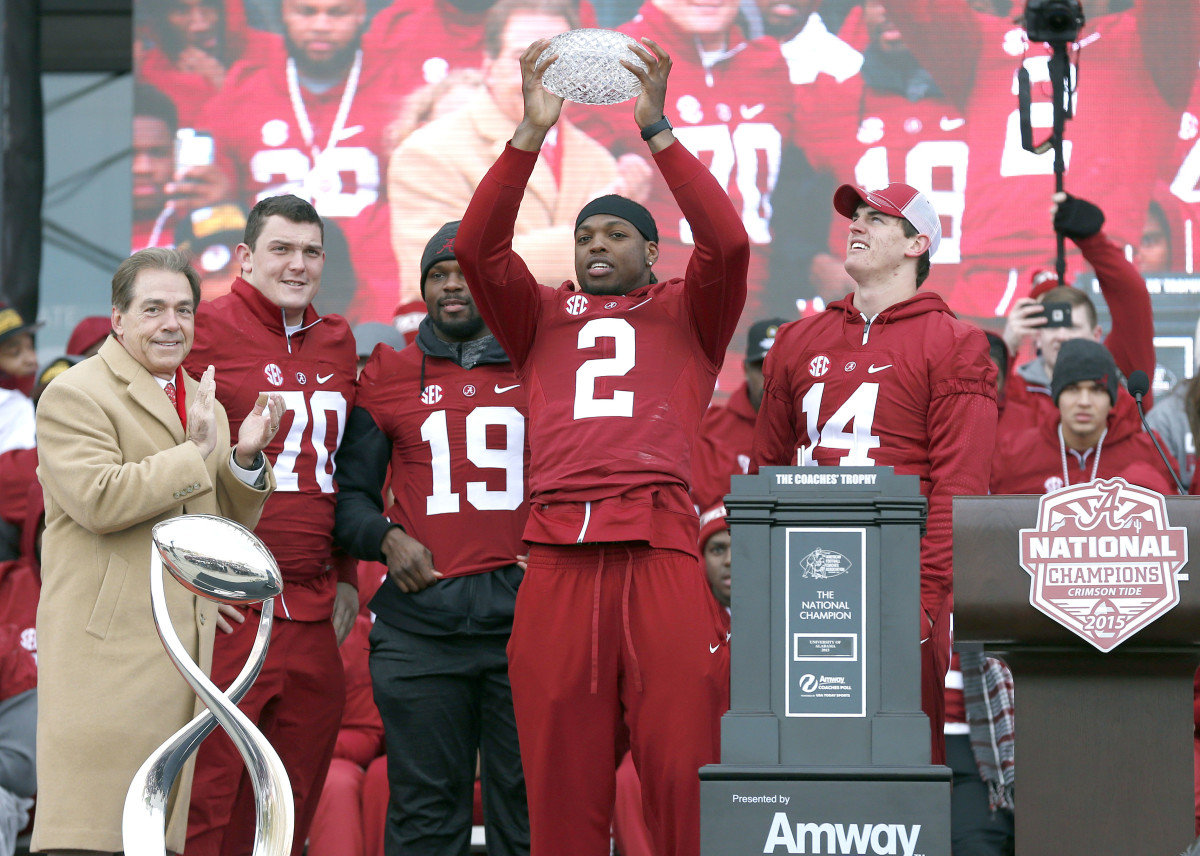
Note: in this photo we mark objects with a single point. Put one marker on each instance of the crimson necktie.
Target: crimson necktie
(170, 388)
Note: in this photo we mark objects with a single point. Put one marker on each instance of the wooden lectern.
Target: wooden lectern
(1103, 741)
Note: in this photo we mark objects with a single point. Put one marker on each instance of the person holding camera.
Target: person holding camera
(1054, 314)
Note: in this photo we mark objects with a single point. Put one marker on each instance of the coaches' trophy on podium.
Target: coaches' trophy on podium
(224, 562)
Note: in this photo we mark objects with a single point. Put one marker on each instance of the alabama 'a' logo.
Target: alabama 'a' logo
(1103, 560)
(576, 304)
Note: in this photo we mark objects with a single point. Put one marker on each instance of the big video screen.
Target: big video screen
(387, 115)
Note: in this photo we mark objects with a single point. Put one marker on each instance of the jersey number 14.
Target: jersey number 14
(848, 429)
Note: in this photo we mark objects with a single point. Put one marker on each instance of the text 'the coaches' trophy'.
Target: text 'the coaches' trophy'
(224, 562)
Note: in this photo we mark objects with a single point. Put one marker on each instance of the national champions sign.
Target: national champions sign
(1103, 560)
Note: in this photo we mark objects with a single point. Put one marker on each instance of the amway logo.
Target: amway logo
(842, 838)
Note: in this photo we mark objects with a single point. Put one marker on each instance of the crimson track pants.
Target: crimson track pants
(604, 633)
(297, 704)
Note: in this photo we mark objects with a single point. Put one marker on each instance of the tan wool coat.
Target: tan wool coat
(114, 461)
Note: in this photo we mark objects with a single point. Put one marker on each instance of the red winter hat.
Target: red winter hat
(89, 332)
(712, 522)
(1041, 281)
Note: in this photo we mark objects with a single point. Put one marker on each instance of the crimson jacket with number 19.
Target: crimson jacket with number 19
(913, 389)
(617, 383)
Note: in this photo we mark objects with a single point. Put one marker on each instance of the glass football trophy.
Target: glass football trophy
(588, 70)
(224, 562)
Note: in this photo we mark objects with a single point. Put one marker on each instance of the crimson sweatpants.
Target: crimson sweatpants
(297, 704)
(604, 633)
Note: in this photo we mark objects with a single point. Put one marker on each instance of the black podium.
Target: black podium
(825, 748)
(1103, 740)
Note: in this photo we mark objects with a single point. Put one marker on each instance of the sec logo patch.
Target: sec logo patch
(577, 304)
(274, 374)
(818, 366)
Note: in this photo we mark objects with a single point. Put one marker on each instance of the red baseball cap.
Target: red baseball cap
(899, 200)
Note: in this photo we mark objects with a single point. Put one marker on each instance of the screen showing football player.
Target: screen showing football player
(1095, 433)
(188, 46)
(1134, 72)
(805, 38)
(266, 335)
(154, 124)
(449, 417)
(322, 103)
(1131, 339)
(623, 365)
(888, 376)
(572, 169)
(889, 122)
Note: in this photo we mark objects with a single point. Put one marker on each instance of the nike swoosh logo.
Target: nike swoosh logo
(352, 131)
(712, 649)
(873, 368)
(500, 388)
(751, 112)
(948, 124)
(323, 379)
(636, 305)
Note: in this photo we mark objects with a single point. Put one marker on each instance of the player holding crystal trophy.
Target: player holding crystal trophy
(616, 634)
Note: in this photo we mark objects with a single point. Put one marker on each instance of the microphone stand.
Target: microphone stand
(1137, 399)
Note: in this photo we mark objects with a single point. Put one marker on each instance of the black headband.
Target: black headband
(626, 209)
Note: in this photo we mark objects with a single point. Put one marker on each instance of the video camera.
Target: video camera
(1054, 21)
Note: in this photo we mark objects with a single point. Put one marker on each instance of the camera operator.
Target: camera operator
(1131, 340)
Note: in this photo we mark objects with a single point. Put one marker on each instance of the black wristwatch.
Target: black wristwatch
(663, 124)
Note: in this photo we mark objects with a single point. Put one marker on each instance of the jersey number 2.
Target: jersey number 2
(624, 355)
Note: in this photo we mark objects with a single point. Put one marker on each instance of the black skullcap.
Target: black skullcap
(626, 209)
(1080, 360)
(439, 249)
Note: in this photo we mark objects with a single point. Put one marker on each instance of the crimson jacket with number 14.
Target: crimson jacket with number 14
(913, 389)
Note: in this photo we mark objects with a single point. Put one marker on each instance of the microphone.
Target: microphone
(1138, 385)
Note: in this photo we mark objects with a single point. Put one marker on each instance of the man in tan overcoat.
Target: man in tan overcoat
(126, 439)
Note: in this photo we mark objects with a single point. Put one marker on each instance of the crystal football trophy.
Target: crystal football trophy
(224, 562)
(588, 69)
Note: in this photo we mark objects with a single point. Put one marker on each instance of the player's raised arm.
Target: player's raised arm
(716, 272)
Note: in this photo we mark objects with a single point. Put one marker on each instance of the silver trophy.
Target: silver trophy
(588, 69)
(224, 562)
